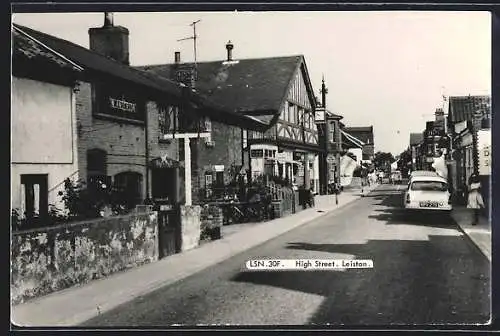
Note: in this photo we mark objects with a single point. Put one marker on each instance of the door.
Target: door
(35, 187)
(165, 194)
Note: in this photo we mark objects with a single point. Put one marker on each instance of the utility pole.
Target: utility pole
(194, 37)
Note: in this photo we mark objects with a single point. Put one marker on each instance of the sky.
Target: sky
(386, 69)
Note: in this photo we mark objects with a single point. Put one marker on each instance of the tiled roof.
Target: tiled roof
(249, 86)
(25, 47)
(464, 107)
(94, 62)
(416, 138)
(364, 134)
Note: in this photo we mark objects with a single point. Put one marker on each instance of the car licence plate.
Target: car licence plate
(429, 204)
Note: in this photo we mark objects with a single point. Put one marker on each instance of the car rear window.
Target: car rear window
(429, 186)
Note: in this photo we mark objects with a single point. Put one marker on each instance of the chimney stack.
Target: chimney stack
(229, 48)
(110, 40)
(177, 57)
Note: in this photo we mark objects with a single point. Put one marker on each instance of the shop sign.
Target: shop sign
(122, 105)
(281, 156)
(484, 151)
(218, 168)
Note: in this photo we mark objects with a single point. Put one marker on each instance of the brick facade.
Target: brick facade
(124, 143)
(225, 150)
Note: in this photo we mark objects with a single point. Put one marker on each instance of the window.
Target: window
(256, 153)
(429, 186)
(167, 118)
(208, 184)
(291, 112)
(129, 186)
(285, 114)
(245, 138)
(35, 195)
(97, 168)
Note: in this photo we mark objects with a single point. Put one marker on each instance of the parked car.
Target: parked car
(428, 193)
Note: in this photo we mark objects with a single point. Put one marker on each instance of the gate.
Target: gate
(168, 230)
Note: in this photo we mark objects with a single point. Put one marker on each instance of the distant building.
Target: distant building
(365, 134)
(127, 123)
(416, 140)
(275, 91)
(469, 124)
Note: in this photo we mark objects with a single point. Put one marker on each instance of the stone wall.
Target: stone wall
(51, 259)
(190, 227)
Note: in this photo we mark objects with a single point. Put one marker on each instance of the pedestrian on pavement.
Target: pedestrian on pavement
(475, 199)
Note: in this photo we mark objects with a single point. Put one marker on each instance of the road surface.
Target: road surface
(425, 272)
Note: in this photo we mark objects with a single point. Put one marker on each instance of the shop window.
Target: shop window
(256, 153)
(35, 195)
(129, 186)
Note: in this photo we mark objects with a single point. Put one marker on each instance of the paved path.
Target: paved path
(425, 272)
(480, 234)
(72, 306)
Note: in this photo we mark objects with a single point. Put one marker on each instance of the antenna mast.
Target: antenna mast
(194, 37)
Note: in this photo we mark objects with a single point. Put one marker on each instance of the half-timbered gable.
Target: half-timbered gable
(296, 119)
(275, 91)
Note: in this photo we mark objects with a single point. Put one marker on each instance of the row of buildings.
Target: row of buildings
(166, 132)
(460, 137)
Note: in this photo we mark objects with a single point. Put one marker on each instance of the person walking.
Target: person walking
(475, 199)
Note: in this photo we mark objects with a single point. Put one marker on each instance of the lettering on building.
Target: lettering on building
(122, 105)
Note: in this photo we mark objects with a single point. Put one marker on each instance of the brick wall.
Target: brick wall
(50, 259)
(159, 148)
(123, 142)
(226, 151)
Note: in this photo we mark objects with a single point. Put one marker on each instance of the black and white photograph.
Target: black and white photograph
(251, 169)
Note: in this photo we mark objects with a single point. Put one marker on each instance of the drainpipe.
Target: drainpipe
(146, 135)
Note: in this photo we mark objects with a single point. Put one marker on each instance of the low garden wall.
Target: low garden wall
(50, 259)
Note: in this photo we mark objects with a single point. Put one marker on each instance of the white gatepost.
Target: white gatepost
(187, 158)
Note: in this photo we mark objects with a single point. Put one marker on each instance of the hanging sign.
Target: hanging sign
(319, 116)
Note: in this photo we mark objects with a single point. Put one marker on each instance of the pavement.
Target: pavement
(73, 306)
(426, 272)
(479, 234)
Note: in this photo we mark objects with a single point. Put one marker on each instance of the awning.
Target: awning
(352, 139)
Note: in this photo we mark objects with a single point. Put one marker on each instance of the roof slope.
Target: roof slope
(25, 47)
(95, 62)
(364, 134)
(464, 107)
(416, 138)
(251, 86)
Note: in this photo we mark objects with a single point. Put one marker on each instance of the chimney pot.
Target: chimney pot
(108, 19)
(177, 57)
(229, 48)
